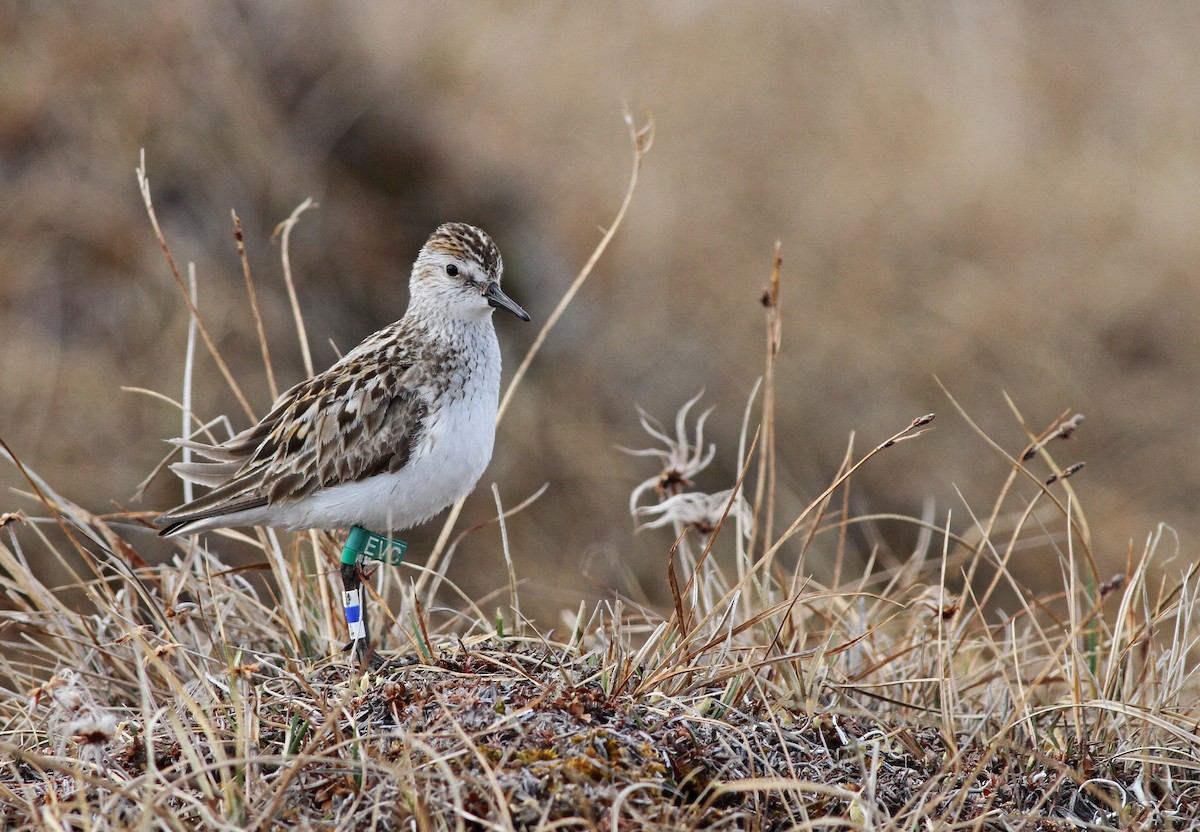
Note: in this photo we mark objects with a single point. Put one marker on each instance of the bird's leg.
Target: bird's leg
(354, 598)
(362, 543)
(354, 603)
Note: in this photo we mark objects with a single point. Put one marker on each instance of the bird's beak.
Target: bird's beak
(500, 300)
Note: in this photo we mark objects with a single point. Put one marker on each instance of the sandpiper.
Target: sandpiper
(393, 433)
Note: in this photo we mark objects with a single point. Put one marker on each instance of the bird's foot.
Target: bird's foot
(364, 653)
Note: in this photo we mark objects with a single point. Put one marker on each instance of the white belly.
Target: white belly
(454, 450)
(451, 452)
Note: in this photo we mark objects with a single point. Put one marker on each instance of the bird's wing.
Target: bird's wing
(334, 428)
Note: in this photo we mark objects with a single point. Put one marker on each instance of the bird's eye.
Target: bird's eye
(452, 270)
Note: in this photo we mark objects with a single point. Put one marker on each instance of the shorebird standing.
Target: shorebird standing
(393, 433)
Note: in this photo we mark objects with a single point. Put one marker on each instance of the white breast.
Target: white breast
(454, 449)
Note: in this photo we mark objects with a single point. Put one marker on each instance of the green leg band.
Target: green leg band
(354, 544)
(362, 543)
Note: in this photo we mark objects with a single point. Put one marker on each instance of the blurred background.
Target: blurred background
(1004, 196)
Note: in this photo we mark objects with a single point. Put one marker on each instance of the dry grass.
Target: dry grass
(179, 696)
(185, 696)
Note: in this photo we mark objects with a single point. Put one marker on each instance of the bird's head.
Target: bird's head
(458, 273)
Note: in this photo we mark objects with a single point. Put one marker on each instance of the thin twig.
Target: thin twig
(144, 187)
(514, 601)
(284, 230)
(189, 366)
(915, 429)
(765, 486)
(258, 321)
(641, 138)
(483, 524)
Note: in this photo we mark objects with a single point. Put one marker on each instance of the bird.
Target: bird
(397, 430)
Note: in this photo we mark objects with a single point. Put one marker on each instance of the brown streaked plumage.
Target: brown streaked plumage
(398, 429)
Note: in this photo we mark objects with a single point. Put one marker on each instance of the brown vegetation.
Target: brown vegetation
(994, 199)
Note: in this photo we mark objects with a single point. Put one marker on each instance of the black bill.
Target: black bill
(500, 300)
